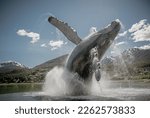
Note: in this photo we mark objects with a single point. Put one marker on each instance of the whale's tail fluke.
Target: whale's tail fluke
(68, 31)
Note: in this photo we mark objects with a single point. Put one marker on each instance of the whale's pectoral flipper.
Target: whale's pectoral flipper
(68, 31)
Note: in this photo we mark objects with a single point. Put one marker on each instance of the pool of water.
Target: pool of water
(107, 95)
(133, 90)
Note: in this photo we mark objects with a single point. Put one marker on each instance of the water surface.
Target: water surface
(115, 90)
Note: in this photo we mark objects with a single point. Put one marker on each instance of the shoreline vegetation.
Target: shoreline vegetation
(5, 84)
(20, 87)
(6, 88)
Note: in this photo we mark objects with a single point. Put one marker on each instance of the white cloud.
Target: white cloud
(123, 34)
(140, 31)
(137, 26)
(93, 30)
(61, 37)
(56, 44)
(144, 47)
(43, 45)
(34, 36)
(21, 32)
(120, 43)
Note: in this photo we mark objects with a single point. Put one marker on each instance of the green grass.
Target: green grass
(20, 87)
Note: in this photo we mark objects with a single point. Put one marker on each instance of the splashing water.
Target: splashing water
(120, 65)
(62, 85)
(60, 82)
(54, 82)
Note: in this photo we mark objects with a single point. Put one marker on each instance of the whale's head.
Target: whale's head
(106, 36)
(110, 31)
(113, 29)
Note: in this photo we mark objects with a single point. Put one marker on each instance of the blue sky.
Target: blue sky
(27, 37)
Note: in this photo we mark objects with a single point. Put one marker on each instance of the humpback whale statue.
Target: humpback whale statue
(84, 60)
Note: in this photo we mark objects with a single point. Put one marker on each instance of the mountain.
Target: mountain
(139, 57)
(130, 62)
(134, 62)
(133, 56)
(13, 72)
(107, 60)
(10, 66)
(38, 72)
(59, 61)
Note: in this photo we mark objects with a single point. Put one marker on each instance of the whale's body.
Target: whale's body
(84, 59)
